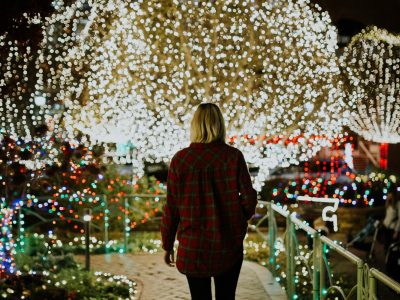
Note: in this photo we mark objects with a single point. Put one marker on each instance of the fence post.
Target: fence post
(126, 232)
(290, 262)
(87, 218)
(322, 270)
(317, 266)
(20, 229)
(272, 238)
(372, 287)
(106, 224)
(360, 280)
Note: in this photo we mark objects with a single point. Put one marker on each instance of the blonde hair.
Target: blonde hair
(208, 124)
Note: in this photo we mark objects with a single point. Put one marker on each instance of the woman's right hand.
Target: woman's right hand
(169, 258)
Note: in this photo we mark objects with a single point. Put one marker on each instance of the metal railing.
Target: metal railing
(127, 203)
(374, 276)
(317, 262)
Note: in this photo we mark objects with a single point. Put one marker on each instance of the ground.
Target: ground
(157, 281)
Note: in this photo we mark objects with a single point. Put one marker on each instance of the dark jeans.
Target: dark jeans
(225, 284)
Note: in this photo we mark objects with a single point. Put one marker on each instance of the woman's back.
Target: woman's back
(209, 200)
(214, 198)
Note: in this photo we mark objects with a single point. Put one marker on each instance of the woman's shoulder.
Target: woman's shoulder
(219, 149)
(180, 153)
(233, 150)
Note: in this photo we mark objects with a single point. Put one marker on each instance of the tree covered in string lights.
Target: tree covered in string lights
(91, 55)
(270, 65)
(131, 73)
(371, 68)
(36, 168)
(21, 163)
(24, 65)
(111, 72)
(18, 113)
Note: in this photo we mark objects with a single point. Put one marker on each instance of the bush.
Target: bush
(60, 277)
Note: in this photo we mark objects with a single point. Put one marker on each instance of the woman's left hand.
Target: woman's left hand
(169, 258)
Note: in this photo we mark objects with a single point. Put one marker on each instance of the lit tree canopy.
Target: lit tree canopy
(270, 65)
(119, 72)
(18, 112)
(95, 79)
(143, 67)
(371, 65)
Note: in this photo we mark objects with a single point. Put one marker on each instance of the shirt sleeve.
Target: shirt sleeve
(248, 195)
(170, 216)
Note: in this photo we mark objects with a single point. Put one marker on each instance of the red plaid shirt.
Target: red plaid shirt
(210, 198)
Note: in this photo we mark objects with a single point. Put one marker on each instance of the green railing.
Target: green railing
(374, 276)
(128, 203)
(317, 262)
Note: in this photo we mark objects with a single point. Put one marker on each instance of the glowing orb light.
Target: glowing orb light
(371, 64)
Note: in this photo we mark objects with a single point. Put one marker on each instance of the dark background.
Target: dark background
(381, 13)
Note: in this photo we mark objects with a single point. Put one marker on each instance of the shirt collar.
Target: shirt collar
(203, 145)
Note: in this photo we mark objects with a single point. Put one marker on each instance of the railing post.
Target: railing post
(126, 221)
(360, 279)
(87, 218)
(106, 224)
(290, 261)
(317, 265)
(272, 238)
(20, 229)
(127, 228)
(372, 287)
(322, 270)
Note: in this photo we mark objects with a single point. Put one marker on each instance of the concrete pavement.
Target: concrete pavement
(158, 281)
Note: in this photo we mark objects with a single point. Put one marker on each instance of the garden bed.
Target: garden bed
(60, 277)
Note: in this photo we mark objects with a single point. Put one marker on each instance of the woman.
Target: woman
(391, 223)
(210, 198)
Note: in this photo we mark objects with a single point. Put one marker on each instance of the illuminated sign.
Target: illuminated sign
(328, 209)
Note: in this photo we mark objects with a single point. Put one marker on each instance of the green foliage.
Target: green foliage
(67, 284)
(116, 184)
(45, 263)
(60, 277)
(256, 249)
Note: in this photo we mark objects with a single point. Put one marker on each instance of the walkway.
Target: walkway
(158, 281)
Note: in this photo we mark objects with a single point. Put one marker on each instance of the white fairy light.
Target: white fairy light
(371, 64)
(132, 73)
(40, 100)
(270, 66)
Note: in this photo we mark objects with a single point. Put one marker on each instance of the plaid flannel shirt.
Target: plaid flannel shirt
(210, 198)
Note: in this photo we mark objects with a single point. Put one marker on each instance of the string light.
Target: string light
(339, 183)
(26, 167)
(7, 243)
(51, 280)
(371, 64)
(110, 72)
(271, 67)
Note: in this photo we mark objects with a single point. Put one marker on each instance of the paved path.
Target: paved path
(158, 281)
